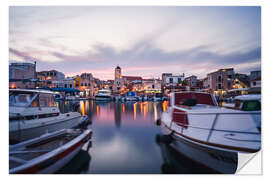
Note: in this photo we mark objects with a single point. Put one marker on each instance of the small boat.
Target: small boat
(35, 112)
(72, 98)
(131, 96)
(48, 153)
(103, 95)
(197, 127)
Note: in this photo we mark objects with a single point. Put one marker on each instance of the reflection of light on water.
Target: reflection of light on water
(82, 107)
(141, 107)
(119, 149)
(86, 106)
(123, 107)
(134, 108)
(164, 105)
(155, 111)
(145, 108)
(97, 109)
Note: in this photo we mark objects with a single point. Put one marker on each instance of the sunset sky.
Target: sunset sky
(145, 41)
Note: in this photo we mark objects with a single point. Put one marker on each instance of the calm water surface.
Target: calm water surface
(124, 141)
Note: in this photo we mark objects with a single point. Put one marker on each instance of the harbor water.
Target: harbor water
(125, 141)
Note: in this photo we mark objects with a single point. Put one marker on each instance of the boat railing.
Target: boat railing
(210, 113)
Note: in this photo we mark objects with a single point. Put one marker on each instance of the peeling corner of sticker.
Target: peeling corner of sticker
(249, 164)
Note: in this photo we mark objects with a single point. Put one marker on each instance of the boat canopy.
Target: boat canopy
(61, 89)
(248, 97)
(201, 98)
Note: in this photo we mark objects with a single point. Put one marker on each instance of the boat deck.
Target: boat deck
(22, 155)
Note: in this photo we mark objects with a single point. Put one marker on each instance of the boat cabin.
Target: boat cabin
(248, 103)
(31, 104)
(192, 98)
(31, 98)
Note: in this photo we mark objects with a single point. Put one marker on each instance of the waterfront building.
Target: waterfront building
(172, 82)
(152, 85)
(255, 83)
(52, 75)
(86, 85)
(51, 79)
(254, 75)
(200, 84)
(220, 81)
(191, 81)
(22, 75)
(239, 83)
(255, 86)
(118, 81)
(69, 82)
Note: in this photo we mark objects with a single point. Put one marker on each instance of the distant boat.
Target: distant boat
(131, 96)
(48, 153)
(34, 112)
(196, 126)
(103, 95)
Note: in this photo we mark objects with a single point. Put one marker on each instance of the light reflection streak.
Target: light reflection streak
(164, 105)
(155, 111)
(123, 107)
(134, 108)
(97, 109)
(82, 106)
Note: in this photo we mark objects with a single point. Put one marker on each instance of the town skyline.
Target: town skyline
(143, 41)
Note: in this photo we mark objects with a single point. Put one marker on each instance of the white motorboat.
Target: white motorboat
(34, 112)
(197, 127)
(103, 95)
(48, 153)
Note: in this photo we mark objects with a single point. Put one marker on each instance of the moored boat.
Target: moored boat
(34, 112)
(103, 95)
(199, 128)
(48, 153)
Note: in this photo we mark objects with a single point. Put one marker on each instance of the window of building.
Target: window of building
(219, 78)
(85, 84)
(219, 86)
(89, 84)
(70, 85)
(171, 80)
(254, 83)
(179, 80)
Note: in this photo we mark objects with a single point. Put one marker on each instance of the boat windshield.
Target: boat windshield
(104, 92)
(20, 99)
(250, 105)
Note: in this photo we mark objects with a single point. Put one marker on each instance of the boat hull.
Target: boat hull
(32, 132)
(217, 160)
(103, 98)
(53, 161)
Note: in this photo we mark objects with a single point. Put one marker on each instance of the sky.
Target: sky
(143, 40)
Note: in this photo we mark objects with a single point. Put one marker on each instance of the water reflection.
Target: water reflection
(124, 140)
(176, 163)
(80, 163)
(117, 115)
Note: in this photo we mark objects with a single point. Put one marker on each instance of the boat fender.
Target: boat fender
(158, 122)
